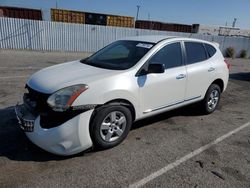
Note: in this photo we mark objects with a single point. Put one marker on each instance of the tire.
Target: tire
(110, 126)
(212, 99)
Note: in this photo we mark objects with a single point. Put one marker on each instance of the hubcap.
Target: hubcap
(113, 126)
(213, 99)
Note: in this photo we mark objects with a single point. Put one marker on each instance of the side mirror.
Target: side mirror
(156, 68)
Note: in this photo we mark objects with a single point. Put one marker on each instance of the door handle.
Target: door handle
(211, 69)
(181, 76)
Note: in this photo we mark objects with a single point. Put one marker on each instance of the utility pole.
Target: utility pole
(148, 16)
(56, 4)
(138, 10)
(234, 22)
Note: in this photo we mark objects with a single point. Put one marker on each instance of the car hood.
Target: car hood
(51, 79)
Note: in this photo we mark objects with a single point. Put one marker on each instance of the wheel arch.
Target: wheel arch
(123, 102)
(220, 83)
(118, 101)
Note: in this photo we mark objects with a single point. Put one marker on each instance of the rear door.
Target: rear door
(199, 70)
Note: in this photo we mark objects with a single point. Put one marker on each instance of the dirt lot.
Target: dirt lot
(153, 144)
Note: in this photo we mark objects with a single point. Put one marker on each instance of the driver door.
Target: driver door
(161, 91)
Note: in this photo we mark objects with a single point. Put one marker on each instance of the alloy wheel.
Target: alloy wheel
(213, 99)
(113, 126)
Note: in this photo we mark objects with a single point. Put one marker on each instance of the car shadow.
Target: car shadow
(14, 144)
(190, 110)
(243, 76)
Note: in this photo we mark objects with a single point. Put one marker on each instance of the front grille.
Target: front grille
(40, 99)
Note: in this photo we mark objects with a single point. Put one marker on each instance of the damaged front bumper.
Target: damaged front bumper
(26, 117)
(69, 138)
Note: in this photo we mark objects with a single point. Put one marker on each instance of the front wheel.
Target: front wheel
(212, 98)
(110, 126)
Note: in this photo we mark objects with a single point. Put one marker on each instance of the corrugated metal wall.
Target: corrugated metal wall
(54, 36)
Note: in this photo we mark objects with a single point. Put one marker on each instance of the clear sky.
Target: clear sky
(208, 12)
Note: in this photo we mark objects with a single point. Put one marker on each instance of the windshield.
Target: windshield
(119, 55)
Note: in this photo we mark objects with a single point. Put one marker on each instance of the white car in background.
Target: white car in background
(93, 102)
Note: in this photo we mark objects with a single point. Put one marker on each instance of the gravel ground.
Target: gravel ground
(152, 144)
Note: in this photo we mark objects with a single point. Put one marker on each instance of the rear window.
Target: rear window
(195, 52)
(210, 49)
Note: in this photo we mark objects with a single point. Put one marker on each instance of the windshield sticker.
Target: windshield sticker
(144, 45)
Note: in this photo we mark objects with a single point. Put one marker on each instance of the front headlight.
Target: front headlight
(62, 99)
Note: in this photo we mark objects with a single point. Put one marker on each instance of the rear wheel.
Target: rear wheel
(110, 126)
(211, 100)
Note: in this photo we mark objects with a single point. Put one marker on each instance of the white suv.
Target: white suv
(93, 102)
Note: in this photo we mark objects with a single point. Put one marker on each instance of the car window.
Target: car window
(195, 52)
(170, 55)
(210, 49)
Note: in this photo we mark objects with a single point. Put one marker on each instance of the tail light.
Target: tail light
(227, 63)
